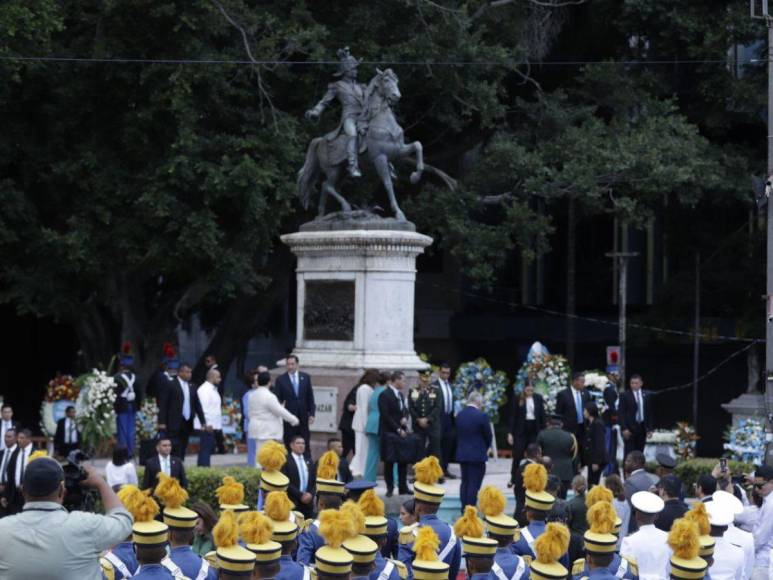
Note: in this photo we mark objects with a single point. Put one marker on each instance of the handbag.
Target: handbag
(408, 449)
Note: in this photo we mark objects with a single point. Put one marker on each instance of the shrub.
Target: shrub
(203, 481)
(689, 471)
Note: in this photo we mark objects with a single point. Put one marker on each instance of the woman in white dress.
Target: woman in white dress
(368, 380)
(120, 471)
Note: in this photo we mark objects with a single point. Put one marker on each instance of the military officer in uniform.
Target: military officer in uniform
(428, 497)
(648, 545)
(351, 96)
(728, 557)
(126, 399)
(256, 529)
(425, 405)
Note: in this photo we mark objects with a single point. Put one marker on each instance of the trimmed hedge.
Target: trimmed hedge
(203, 481)
(688, 470)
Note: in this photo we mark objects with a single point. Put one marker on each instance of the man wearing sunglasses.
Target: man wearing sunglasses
(763, 531)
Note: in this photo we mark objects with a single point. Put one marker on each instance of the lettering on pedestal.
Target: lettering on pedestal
(326, 418)
(328, 310)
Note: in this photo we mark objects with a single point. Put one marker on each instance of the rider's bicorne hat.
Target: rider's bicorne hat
(347, 62)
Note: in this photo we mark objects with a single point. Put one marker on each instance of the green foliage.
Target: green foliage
(203, 481)
(688, 471)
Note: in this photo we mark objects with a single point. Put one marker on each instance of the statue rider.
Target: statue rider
(351, 95)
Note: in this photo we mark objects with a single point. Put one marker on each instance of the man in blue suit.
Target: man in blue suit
(473, 439)
(293, 389)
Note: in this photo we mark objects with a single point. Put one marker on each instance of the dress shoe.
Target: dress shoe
(405, 492)
(450, 475)
(389, 493)
(442, 480)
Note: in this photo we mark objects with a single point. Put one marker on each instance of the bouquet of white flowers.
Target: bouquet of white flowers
(747, 440)
(94, 410)
(549, 373)
(478, 375)
(146, 420)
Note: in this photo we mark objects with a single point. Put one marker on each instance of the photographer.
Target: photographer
(47, 542)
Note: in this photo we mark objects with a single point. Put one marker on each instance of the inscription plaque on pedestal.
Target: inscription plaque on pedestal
(328, 311)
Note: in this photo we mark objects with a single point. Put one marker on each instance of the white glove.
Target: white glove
(131, 396)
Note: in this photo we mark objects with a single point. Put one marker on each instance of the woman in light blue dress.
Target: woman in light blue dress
(371, 430)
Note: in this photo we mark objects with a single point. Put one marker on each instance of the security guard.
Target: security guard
(181, 521)
(601, 548)
(329, 492)
(503, 529)
(425, 405)
(428, 497)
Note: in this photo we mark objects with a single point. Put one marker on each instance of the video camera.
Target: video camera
(76, 497)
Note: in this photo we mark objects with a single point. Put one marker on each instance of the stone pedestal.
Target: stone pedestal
(747, 406)
(355, 302)
(355, 298)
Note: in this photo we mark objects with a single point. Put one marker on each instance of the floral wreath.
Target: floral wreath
(746, 441)
(549, 373)
(478, 375)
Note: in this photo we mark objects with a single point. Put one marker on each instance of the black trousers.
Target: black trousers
(637, 440)
(180, 439)
(347, 440)
(529, 436)
(402, 477)
(594, 476)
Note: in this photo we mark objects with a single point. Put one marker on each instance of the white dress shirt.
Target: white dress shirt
(763, 534)
(186, 399)
(530, 408)
(5, 460)
(165, 464)
(211, 405)
(70, 431)
(737, 536)
(639, 396)
(577, 397)
(266, 415)
(4, 426)
(303, 472)
(399, 398)
(728, 561)
(21, 463)
(649, 548)
(448, 396)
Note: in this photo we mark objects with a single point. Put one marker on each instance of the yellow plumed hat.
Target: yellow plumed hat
(426, 565)
(599, 538)
(683, 539)
(172, 495)
(354, 513)
(272, 457)
(362, 549)
(492, 503)
(256, 530)
(37, 455)
(327, 474)
(371, 504)
(335, 527)
(428, 472)
(146, 531)
(230, 555)
(600, 493)
(231, 495)
(469, 524)
(277, 506)
(700, 517)
(535, 478)
(549, 547)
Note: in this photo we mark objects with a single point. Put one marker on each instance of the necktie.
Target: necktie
(447, 396)
(295, 383)
(6, 455)
(302, 470)
(578, 405)
(639, 408)
(167, 468)
(23, 458)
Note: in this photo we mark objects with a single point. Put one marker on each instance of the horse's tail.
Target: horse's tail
(307, 175)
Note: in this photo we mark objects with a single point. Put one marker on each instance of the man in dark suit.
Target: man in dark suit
(302, 475)
(570, 404)
(392, 428)
(7, 423)
(473, 439)
(8, 470)
(669, 488)
(177, 406)
(166, 462)
(447, 421)
(67, 437)
(635, 415)
(294, 391)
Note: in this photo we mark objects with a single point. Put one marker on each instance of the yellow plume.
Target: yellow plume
(700, 516)
(683, 539)
(596, 494)
(255, 528)
(277, 506)
(170, 491)
(426, 545)
(469, 524)
(272, 456)
(231, 492)
(535, 477)
(138, 503)
(601, 518)
(371, 504)
(327, 466)
(353, 511)
(428, 470)
(552, 543)
(335, 527)
(226, 532)
(491, 501)
(37, 455)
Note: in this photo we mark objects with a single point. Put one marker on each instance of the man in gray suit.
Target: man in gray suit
(636, 479)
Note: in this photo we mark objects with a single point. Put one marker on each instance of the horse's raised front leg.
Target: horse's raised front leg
(381, 163)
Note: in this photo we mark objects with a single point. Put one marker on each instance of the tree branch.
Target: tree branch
(545, 3)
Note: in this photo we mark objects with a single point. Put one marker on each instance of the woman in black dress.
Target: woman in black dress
(594, 445)
(527, 420)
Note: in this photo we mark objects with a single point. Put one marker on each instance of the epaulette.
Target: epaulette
(632, 563)
(408, 534)
(402, 569)
(211, 558)
(527, 559)
(313, 573)
(300, 521)
(107, 569)
(578, 566)
(306, 525)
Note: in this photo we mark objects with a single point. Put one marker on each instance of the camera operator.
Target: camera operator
(45, 541)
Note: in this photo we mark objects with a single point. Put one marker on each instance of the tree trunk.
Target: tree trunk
(571, 274)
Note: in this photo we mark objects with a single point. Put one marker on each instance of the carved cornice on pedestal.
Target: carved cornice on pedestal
(357, 243)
